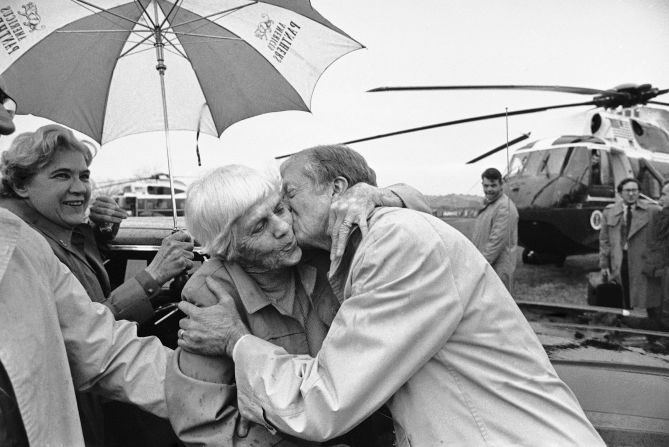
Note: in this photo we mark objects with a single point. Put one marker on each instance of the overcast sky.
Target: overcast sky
(587, 43)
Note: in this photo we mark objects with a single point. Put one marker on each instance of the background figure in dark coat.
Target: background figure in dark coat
(660, 263)
(626, 241)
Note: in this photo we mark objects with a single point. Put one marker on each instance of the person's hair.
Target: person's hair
(626, 181)
(492, 174)
(217, 199)
(32, 151)
(323, 164)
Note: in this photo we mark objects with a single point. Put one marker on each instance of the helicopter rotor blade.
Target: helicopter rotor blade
(467, 120)
(659, 103)
(524, 136)
(545, 88)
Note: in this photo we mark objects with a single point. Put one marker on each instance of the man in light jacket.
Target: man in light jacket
(496, 228)
(424, 325)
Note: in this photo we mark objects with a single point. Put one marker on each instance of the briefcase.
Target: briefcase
(604, 293)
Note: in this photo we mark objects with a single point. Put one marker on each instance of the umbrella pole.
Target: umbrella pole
(161, 67)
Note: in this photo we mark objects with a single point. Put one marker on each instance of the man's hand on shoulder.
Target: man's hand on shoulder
(212, 330)
(354, 208)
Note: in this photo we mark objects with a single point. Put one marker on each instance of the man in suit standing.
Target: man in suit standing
(625, 239)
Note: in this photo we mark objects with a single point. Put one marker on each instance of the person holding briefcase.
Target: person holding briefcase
(625, 242)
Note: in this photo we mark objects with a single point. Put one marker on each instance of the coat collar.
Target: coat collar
(620, 206)
(36, 220)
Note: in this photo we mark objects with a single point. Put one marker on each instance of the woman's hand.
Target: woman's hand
(174, 257)
(105, 213)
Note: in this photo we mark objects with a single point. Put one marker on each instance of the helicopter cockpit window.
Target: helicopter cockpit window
(535, 162)
(540, 162)
(518, 162)
(554, 161)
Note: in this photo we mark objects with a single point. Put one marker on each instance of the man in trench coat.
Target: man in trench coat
(623, 258)
(496, 228)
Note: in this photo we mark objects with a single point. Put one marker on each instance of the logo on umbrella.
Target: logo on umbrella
(264, 28)
(31, 14)
(282, 39)
(11, 31)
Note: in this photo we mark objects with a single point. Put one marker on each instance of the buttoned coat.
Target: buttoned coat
(496, 236)
(644, 286)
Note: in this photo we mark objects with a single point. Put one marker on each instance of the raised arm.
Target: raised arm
(357, 203)
(131, 300)
(103, 353)
(403, 305)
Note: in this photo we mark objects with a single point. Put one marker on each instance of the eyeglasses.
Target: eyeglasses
(8, 103)
(631, 190)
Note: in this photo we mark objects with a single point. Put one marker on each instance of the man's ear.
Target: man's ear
(339, 186)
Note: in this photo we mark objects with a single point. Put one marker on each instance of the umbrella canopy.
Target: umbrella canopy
(94, 69)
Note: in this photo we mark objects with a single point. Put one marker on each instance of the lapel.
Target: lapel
(640, 218)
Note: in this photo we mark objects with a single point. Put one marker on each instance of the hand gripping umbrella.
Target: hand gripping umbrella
(93, 67)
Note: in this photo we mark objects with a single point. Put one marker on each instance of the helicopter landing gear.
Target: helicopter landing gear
(531, 257)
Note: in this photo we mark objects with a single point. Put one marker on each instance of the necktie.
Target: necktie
(628, 221)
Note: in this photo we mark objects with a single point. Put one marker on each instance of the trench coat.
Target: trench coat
(644, 283)
(496, 236)
(426, 323)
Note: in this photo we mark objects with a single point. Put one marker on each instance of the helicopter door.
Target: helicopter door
(600, 175)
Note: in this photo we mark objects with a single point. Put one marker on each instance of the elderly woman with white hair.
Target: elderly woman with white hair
(239, 216)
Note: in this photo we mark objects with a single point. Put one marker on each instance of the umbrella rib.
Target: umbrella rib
(225, 11)
(138, 51)
(169, 41)
(207, 35)
(168, 14)
(169, 50)
(125, 53)
(110, 13)
(102, 31)
(145, 13)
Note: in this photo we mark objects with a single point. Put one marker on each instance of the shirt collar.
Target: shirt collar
(487, 202)
(252, 296)
(640, 204)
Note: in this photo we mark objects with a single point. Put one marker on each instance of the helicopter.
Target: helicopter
(561, 185)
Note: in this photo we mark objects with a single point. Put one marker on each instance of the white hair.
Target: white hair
(217, 199)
